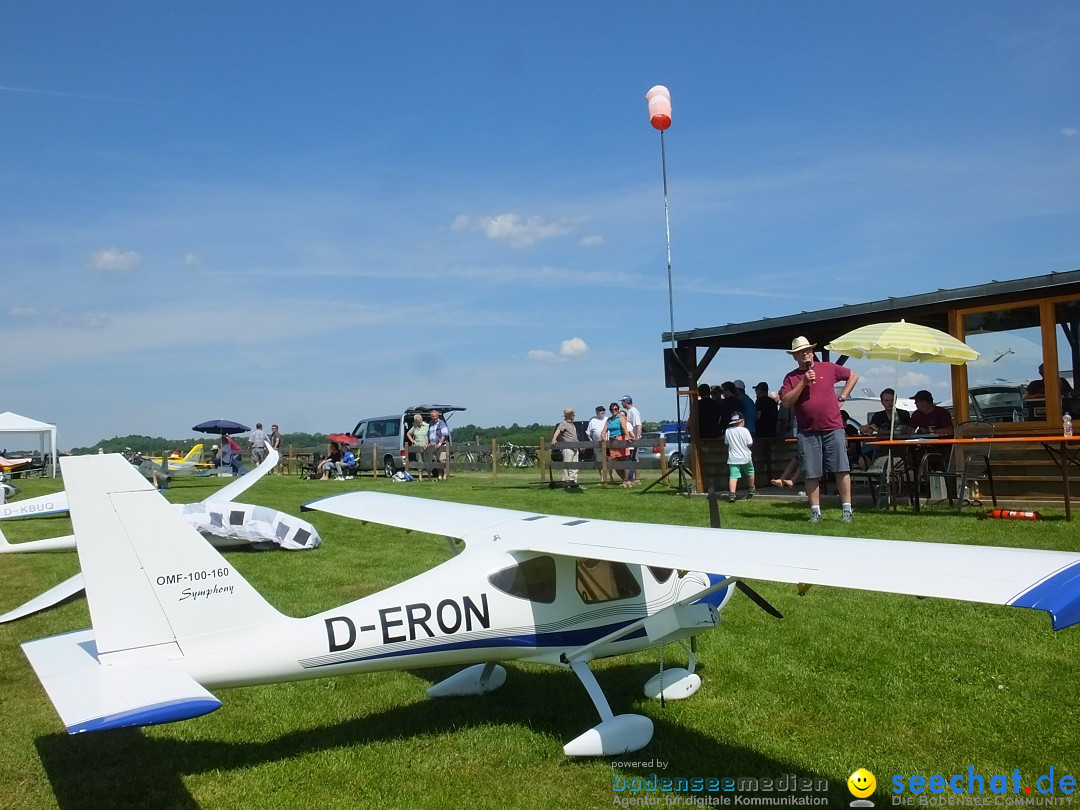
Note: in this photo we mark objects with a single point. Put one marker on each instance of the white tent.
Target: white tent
(13, 423)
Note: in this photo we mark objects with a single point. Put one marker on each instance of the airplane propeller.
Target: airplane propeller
(755, 597)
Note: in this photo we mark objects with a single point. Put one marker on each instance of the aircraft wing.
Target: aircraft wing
(230, 492)
(443, 518)
(1046, 580)
(67, 588)
(65, 543)
(54, 504)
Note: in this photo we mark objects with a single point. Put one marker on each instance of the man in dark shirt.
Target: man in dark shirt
(708, 414)
(929, 418)
(729, 403)
(1037, 388)
(767, 410)
(881, 421)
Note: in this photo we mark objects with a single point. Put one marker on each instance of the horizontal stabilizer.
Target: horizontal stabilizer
(92, 697)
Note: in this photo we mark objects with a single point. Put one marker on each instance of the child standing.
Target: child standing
(740, 462)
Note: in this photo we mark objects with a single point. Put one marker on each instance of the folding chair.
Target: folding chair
(888, 477)
(968, 463)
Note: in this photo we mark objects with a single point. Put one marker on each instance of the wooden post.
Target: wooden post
(494, 461)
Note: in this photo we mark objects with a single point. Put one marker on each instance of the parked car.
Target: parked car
(387, 433)
(997, 403)
(676, 445)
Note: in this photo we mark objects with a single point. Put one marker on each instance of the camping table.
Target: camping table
(1057, 447)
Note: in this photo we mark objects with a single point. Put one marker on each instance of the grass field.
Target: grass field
(895, 684)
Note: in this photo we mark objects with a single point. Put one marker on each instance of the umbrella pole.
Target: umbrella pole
(892, 432)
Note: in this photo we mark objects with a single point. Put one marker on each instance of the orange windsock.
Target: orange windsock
(659, 98)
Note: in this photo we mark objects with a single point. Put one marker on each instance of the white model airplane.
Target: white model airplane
(173, 619)
(220, 519)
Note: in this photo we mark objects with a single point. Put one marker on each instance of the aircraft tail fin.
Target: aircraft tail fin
(155, 587)
(194, 455)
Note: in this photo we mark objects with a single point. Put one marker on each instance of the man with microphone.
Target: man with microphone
(810, 391)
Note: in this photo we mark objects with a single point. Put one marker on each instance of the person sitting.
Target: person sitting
(790, 476)
(346, 468)
(883, 421)
(333, 456)
(1037, 388)
(930, 418)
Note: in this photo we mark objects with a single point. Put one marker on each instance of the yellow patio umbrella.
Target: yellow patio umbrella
(903, 342)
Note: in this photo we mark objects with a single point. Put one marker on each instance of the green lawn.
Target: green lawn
(848, 679)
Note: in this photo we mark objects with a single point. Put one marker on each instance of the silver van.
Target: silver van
(387, 433)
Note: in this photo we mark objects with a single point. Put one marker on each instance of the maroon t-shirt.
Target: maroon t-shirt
(930, 422)
(817, 407)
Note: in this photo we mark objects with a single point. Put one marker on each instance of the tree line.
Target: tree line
(528, 435)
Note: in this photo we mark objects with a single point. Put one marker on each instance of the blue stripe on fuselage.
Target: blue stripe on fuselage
(560, 640)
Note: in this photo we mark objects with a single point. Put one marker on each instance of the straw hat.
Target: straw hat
(801, 344)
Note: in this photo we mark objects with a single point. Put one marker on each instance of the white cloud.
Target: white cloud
(193, 260)
(22, 312)
(1070, 132)
(574, 347)
(115, 261)
(593, 240)
(515, 230)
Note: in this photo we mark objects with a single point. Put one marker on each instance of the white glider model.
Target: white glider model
(222, 521)
(172, 619)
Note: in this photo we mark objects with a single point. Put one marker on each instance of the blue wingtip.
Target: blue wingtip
(168, 712)
(1058, 595)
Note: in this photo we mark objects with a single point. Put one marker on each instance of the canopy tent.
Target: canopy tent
(13, 423)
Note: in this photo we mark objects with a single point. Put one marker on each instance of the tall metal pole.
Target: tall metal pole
(667, 233)
(671, 319)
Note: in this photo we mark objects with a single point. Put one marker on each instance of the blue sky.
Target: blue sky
(308, 213)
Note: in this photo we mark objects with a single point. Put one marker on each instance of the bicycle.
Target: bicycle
(513, 455)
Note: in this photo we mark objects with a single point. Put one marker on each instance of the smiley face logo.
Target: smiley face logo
(861, 783)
